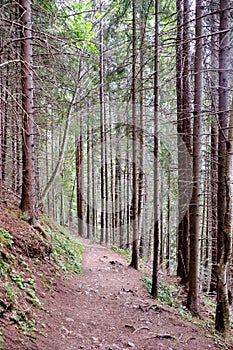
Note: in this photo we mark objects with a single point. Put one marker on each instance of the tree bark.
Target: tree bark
(194, 265)
(28, 180)
(184, 133)
(102, 132)
(135, 250)
(154, 289)
(222, 322)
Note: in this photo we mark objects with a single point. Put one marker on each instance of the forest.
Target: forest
(116, 120)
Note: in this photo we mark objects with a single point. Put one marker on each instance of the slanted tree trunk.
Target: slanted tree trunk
(28, 180)
(62, 151)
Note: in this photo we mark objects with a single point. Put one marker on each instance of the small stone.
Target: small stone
(2, 343)
(69, 319)
(130, 344)
(95, 339)
(114, 347)
(65, 330)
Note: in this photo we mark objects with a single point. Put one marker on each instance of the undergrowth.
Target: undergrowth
(122, 252)
(20, 277)
(170, 295)
(67, 252)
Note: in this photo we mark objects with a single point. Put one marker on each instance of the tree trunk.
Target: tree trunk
(28, 185)
(194, 265)
(62, 148)
(214, 150)
(183, 121)
(88, 216)
(102, 133)
(222, 322)
(135, 250)
(79, 176)
(168, 244)
(154, 289)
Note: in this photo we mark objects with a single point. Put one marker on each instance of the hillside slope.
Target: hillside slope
(31, 268)
(45, 305)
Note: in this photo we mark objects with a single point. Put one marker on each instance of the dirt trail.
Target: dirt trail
(106, 307)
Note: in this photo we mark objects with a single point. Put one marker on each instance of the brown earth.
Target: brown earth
(105, 307)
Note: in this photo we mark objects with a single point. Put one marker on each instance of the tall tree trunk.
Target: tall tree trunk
(141, 132)
(28, 186)
(213, 217)
(194, 265)
(181, 266)
(224, 148)
(154, 289)
(93, 189)
(88, 215)
(79, 175)
(184, 133)
(135, 250)
(102, 134)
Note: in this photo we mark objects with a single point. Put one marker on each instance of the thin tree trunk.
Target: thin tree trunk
(88, 217)
(94, 204)
(79, 175)
(222, 322)
(168, 248)
(102, 133)
(135, 250)
(214, 152)
(154, 289)
(181, 266)
(194, 265)
(141, 132)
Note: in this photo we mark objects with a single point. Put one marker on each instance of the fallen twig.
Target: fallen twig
(140, 328)
(162, 336)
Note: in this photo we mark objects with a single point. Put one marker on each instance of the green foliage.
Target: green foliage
(18, 278)
(11, 292)
(24, 216)
(5, 238)
(166, 292)
(67, 252)
(72, 20)
(122, 252)
(186, 314)
(32, 297)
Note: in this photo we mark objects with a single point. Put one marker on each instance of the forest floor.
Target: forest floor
(106, 307)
